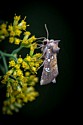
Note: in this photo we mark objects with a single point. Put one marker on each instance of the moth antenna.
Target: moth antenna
(40, 38)
(47, 31)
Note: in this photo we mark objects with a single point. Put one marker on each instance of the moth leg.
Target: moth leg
(40, 66)
(42, 82)
(40, 46)
(40, 57)
(54, 80)
(43, 53)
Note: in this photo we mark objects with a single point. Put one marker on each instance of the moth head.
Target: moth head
(45, 41)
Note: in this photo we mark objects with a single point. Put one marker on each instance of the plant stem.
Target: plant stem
(2, 68)
(3, 55)
(4, 62)
(8, 55)
(17, 50)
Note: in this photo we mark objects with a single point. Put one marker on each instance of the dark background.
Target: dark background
(60, 100)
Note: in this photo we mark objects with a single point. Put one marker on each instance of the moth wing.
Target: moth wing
(50, 71)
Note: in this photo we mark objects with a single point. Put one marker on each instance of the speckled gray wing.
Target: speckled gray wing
(50, 70)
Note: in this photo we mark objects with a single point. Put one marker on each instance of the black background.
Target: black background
(60, 100)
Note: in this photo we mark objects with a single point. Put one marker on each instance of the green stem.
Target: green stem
(4, 62)
(8, 55)
(2, 68)
(17, 50)
(3, 55)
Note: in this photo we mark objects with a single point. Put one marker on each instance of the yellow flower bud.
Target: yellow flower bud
(19, 72)
(12, 33)
(24, 64)
(28, 58)
(17, 41)
(18, 32)
(34, 69)
(17, 66)
(31, 39)
(11, 63)
(22, 25)
(20, 60)
(16, 18)
(27, 33)
(10, 28)
(27, 73)
(11, 39)
(3, 25)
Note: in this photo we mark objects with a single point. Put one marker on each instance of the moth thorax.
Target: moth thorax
(52, 44)
(51, 40)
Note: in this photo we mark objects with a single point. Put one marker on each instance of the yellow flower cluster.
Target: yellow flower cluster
(16, 29)
(20, 78)
(3, 31)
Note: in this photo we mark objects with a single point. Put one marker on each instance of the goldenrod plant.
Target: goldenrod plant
(19, 74)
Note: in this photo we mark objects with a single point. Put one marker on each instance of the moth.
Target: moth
(50, 50)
